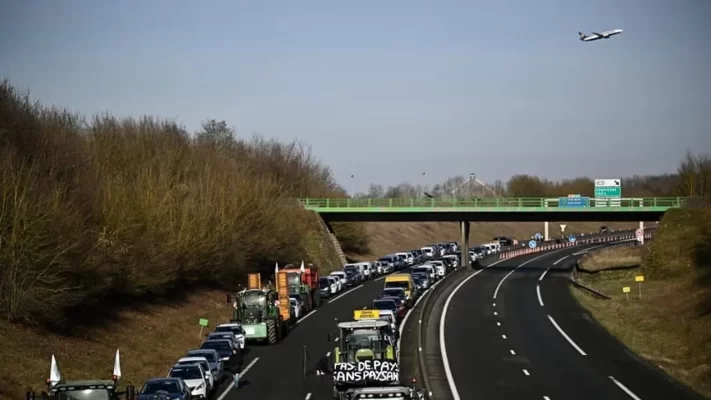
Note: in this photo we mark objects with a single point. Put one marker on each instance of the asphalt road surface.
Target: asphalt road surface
(513, 331)
(277, 372)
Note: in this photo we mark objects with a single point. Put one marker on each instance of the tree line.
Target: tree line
(111, 208)
(692, 179)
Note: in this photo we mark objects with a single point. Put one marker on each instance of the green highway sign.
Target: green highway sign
(202, 322)
(608, 188)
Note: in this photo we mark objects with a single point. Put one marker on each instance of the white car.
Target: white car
(342, 276)
(236, 329)
(428, 251)
(205, 367)
(455, 260)
(216, 366)
(440, 269)
(194, 378)
(335, 286)
(428, 269)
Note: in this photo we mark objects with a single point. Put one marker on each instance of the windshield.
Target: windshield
(254, 298)
(237, 330)
(393, 293)
(293, 279)
(205, 366)
(221, 347)
(186, 373)
(324, 283)
(84, 394)
(363, 341)
(210, 356)
(400, 284)
(384, 305)
(155, 387)
(420, 275)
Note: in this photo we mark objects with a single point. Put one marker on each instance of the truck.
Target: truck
(59, 389)
(264, 313)
(304, 281)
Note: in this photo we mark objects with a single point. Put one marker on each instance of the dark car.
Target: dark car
(165, 388)
(223, 347)
(352, 276)
(390, 303)
(423, 278)
(396, 293)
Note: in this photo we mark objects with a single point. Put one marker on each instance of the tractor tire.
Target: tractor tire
(272, 333)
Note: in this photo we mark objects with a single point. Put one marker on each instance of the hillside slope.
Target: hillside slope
(387, 237)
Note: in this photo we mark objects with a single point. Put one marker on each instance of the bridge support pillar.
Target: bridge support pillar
(546, 236)
(464, 227)
(641, 228)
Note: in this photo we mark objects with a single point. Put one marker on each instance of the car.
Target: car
(226, 335)
(352, 276)
(224, 348)
(194, 377)
(423, 278)
(217, 367)
(342, 284)
(175, 388)
(390, 304)
(355, 271)
(387, 267)
(396, 293)
(334, 282)
(297, 305)
(343, 276)
(326, 287)
(202, 361)
(426, 269)
(439, 267)
(237, 329)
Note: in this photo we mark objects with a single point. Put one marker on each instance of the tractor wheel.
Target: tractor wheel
(272, 334)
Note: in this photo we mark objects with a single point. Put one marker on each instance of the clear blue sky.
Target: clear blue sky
(386, 90)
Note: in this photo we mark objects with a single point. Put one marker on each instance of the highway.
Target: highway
(513, 331)
(277, 372)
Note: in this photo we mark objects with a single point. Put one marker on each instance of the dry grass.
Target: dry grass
(387, 237)
(612, 257)
(666, 327)
(150, 339)
(671, 325)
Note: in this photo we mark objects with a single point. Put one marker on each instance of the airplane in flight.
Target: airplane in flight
(598, 36)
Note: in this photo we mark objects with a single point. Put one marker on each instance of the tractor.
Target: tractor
(265, 314)
(59, 389)
(304, 281)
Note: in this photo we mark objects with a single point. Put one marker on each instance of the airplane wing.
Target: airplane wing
(598, 34)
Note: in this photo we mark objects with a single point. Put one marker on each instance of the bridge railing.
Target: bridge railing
(489, 202)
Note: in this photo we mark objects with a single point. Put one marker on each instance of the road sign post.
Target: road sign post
(532, 244)
(608, 192)
(626, 290)
(203, 323)
(639, 279)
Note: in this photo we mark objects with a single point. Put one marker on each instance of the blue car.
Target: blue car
(165, 388)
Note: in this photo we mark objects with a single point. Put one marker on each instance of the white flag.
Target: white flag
(117, 366)
(276, 269)
(54, 375)
(303, 269)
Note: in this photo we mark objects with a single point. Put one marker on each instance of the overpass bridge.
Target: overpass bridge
(493, 209)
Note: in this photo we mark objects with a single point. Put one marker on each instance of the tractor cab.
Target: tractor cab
(365, 340)
(252, 305)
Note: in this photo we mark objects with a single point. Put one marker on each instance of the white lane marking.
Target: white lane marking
(556, 263)
(231, 385)
(513, 353)
(546, 398)
(624, 388)
(525, 372)
(442, 323)
(308, 396)
(538, 292)
(494, 304)
(543, 275)
(407, 315)
(503, 337)
(377, 279)
(565, 335)
(498, 324)
(345, 293)
(495, 313)
(306, 316)
(501, 282)
(328, 354)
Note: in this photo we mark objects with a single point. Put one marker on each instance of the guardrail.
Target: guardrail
(533, 203)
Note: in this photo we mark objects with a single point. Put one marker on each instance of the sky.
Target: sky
(386, 90)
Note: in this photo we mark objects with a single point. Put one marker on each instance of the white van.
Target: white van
(428, 251)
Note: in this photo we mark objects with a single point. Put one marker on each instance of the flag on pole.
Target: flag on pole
(276, 269)
(54, 375)
(117, 366)
(303, 269)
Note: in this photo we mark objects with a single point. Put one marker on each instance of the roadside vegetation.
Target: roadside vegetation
(671, 325)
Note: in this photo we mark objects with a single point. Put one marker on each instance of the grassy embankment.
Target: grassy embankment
(123, 233)
(671, 325)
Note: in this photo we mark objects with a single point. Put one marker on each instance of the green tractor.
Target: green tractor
(262, 315)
